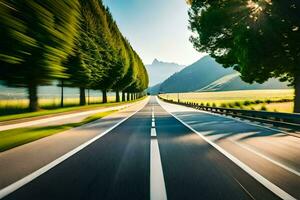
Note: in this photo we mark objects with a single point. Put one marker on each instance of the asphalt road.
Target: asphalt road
(117, 166)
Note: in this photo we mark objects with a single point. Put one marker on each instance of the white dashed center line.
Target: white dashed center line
(157, 182)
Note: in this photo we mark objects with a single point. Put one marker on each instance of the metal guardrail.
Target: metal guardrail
(287, 120)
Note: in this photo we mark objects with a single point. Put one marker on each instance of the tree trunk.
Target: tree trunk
(33, 98)
(104, 96)
(297, 95)
(128, 96)
(131, 96)
(82, 96)
(62, 93)
(123, 96)
(89, 97)
(117, 96)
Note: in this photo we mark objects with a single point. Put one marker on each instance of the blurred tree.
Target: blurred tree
(77, 43)
(259, 38)
(127, 76)
(141, 80)
(35, 37)
(84, 66)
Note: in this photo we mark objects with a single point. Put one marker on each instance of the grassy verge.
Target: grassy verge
(16, 137)
(60, 110)
(270, 100)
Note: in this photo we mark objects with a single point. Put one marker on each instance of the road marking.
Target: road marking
(153, 132)
(266, 157)
(53, 119)
(153, 124)
(269, 185)
(157, 182)
(214, 138)
(18, 184)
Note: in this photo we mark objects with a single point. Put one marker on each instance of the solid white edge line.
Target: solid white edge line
(269, 185)
(53, 119)
(157, 182)
(266, 157)
(18, 184)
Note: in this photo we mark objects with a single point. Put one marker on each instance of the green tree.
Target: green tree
(84, 66)
(35, 37)
(140, 81)
(127, 76)
(259, 38)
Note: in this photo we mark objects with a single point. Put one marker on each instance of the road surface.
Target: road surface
(166, 151)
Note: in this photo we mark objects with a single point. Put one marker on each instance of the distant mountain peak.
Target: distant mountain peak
(159, 71)
(155, 61)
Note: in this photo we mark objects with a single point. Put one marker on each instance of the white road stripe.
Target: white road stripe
(272, 187)
(267, 158)
(53, 119)
(157, 182)
(153, 132)
(13, 187)
(153, 124)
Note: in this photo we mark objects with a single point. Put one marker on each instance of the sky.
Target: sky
(156, 29)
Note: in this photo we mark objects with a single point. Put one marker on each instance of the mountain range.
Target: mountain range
(159, 71)
(208, 75)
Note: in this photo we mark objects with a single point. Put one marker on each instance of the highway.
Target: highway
(166, 151)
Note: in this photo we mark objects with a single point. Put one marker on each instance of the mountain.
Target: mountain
(159, 71)
(196, 76)
(207, 75)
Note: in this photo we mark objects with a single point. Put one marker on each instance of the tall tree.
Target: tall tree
(35, 37)
(259, 38)
(84, 66)
(127, 77)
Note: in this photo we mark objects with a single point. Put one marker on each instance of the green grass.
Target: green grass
(16, 137)
(270, 100)
(19, 105)
(58, 110)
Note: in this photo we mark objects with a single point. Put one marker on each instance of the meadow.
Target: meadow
(14, 106)
(270, 100)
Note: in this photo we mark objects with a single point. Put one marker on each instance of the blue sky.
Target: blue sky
(156, 28)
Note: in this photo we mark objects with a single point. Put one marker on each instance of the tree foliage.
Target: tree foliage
(77, 42)
(259, 38)
(35, 38)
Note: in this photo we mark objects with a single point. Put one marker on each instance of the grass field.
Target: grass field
(16, 137)
(13, 105)
(23, 113)
(271, 100)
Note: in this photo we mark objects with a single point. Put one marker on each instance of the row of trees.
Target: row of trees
(75, 42)
(259, 38)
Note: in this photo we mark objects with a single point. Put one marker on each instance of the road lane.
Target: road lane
(237, 138)
(194, 169)
(114, 167)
